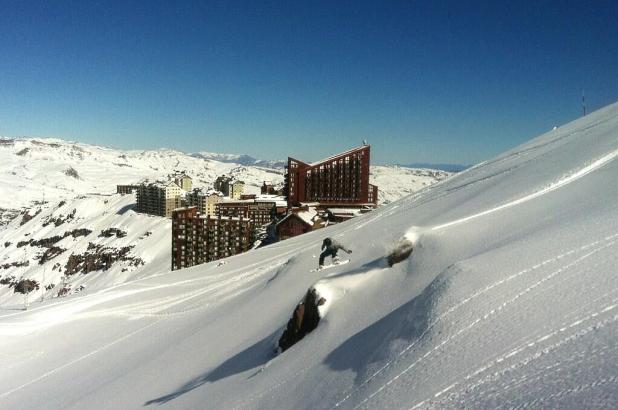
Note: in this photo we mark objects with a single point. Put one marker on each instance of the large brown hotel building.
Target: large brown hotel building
(198, 238)
(340, 180)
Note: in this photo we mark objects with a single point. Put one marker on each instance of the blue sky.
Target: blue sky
(449, 82)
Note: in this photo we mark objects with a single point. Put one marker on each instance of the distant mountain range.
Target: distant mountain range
(442, 167)
(241, 159)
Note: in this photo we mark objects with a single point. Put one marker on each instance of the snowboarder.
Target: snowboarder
(332, 246)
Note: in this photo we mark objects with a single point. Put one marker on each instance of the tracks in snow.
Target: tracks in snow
(590, 249)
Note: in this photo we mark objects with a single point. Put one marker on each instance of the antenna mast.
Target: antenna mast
(583, 103)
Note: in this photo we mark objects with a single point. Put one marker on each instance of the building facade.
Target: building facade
(299, 221)
(270, 189)
(184, 181)
(261, 213)
(222, 184)
(204, 200)
(158, 198)
(237, 188)
(198, 238)
(342, 179)
(125, 189)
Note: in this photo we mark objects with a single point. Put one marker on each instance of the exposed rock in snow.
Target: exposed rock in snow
(402, 250)
(304, 319)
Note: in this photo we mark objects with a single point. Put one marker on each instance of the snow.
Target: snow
(27, 169)
(510, 299)
(35, 170)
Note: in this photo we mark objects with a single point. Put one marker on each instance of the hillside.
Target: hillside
(510, 299)
(52, 170)
(61, 216)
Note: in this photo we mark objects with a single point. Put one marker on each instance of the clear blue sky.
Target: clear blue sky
(422, 81)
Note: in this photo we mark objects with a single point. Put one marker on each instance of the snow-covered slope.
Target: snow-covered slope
(39, 169)
(74, 228)
(36, 170)
(34, 177)
(240, 159)
(394, 182)
(510, 299)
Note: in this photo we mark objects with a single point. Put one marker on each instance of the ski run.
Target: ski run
(509, 299)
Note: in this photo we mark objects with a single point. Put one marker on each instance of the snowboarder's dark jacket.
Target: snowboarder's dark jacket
(333, 246)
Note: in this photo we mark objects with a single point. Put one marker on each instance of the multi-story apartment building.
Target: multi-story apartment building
(198, 238)
(229, 186)
(205, 200)
(183, 180)
(188, 247)
(158, 198)
(237, 188)
(260, 212)
(125, 189)
(222, 184)
(340, 180)
(271, 189)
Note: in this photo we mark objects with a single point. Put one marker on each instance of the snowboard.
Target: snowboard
(332, 265)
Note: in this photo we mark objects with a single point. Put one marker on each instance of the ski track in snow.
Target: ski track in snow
(476, 321)
(576, 175)
(35, 321)
(528, 345)
(522, 362)
(543, 351)
(79, 359)
(559, 184)
(165, 304)
(440, 318)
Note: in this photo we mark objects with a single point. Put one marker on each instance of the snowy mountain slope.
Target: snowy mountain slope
(246, 160)
(395, 182)
(75, 228)
(33, 175)
(510, 299)
(36, 170)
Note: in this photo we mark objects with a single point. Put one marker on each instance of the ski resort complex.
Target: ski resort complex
(493, 288)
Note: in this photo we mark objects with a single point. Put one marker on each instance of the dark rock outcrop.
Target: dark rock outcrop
(25, 286)
(70, 171)
(402, 251)
(50, 253)
(109, 232)
(45, 242)
(304, 319)
(49, 242)
(7, 281)
(99, 257)
(64, 291)
(24, 243)
(26, 216)
(15, 264)
(60, 219)
(76, 233)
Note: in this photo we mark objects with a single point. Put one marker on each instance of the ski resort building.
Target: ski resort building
(229, 186)
(205, 200)
(158, 198)
(299, 221)
(340, 180)
(125, 189)
(199, 238)
(260, 212)
(271, 189)
(183, 180)
(237, 189)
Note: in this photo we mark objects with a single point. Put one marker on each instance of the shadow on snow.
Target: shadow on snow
(376, 343)
(254, 356)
